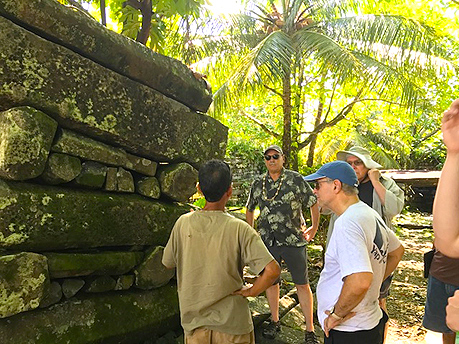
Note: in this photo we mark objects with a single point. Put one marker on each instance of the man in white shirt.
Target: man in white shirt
(361, 253)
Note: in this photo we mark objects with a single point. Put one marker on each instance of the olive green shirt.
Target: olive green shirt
(209, 250)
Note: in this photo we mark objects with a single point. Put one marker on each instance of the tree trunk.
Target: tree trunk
(312, 145)
(287, 112)
(103, 14)
(144, 33)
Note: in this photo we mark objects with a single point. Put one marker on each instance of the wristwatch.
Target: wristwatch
(334, 315)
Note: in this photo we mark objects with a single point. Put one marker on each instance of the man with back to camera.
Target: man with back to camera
(361, 253)
(282, 196)
(210, 248)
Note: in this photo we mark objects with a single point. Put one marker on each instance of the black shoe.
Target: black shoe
(310, 338)
(270, 331)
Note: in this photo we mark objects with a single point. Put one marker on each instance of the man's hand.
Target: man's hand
(374, 175)
(452, 312)
(331, 322)
(245, 291)
(450, 127)
(309, 233)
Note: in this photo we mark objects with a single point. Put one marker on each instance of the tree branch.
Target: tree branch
(259, 123)
(272, 90)
(342, 114)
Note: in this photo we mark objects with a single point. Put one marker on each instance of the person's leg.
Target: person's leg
(272, 294)
(306, 304)
(449, 338)
(296, 260)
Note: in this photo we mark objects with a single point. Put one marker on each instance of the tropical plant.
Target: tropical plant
(323, 60)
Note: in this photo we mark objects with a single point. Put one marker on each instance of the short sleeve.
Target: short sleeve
(394, 243)
(309, 198)
(169, 255)
(254, 252)
(251, 202)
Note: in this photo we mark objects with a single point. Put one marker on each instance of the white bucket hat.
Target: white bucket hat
(360, 153)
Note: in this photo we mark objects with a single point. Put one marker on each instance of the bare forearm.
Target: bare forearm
(263, 282)
(315, 216)
(393, 258)
(266, 279)
(249, 217)
(353, 291)
(380, 191)
(446, 208)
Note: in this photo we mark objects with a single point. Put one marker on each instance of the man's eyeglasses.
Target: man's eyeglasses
(317, 183)
(274, 156)
(355, 163)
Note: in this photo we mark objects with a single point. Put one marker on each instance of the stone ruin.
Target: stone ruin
(100, 139)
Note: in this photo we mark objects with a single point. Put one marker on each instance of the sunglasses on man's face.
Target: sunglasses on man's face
(274, 156)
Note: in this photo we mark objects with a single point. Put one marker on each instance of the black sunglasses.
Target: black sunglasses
(274, 156)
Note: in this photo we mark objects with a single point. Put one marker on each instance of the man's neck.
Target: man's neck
(220, 205)
(343, 203)
(275, 174)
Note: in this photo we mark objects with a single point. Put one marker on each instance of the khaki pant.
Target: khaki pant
(205, 336)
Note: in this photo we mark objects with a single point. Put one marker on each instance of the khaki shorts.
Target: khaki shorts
(205, 336)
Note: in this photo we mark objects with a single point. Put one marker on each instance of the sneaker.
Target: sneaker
(310, 338)
(270, 331)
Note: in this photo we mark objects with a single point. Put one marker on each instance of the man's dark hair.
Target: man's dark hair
(214, 179)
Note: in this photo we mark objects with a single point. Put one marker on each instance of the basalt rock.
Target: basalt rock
(88, 98)
(122, 317)
(178, 181)
(61, 168)
(47, 218)
(26, 135)
(62, 265)
(74, 29)
(24, 281)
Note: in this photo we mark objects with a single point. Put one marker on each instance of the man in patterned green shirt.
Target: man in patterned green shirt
(283, 196)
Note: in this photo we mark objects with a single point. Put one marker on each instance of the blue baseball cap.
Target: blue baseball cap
(340, 170)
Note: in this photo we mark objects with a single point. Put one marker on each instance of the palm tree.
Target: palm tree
(323, 51)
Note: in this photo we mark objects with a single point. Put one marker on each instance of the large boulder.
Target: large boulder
(121, 317)
(26, 136)
(81, 33)
(84, 96)
(24, 282)
(46, 218)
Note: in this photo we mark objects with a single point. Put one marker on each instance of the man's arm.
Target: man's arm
(249, 216)
(270, 273)
(374, 175)
(315, 217)
(393, 258)
(352, 293)
(446, 203)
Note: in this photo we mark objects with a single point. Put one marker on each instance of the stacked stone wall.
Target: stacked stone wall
(100, 145)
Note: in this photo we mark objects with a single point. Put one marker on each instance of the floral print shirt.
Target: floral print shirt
(281, 217)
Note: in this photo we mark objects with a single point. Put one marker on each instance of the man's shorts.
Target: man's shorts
(437, 299)
(296, 259)
(205, 336)
(373, 336)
